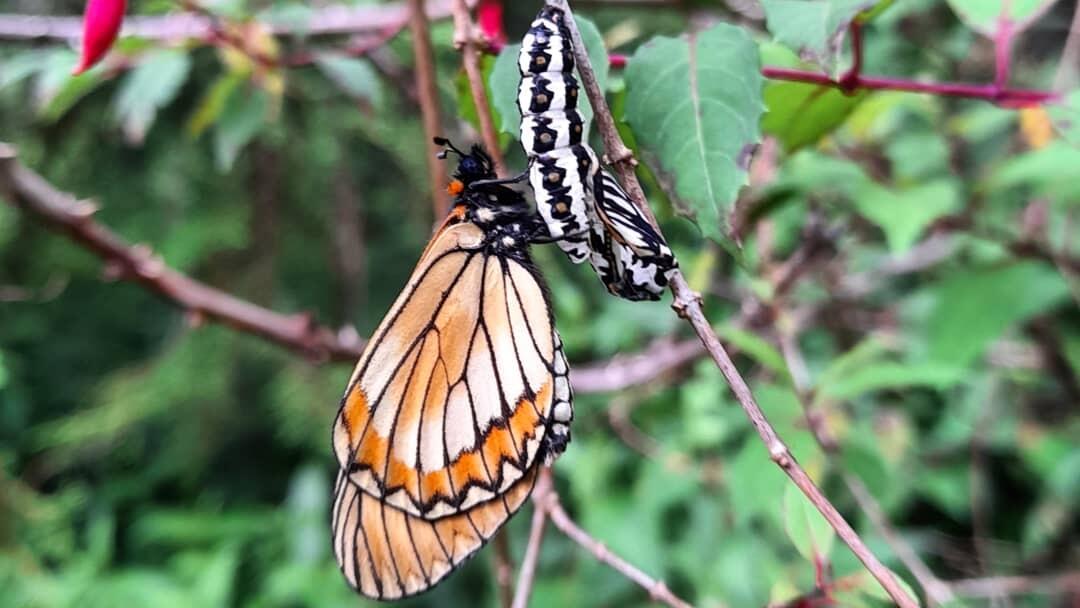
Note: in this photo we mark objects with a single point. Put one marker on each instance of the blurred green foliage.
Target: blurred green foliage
(146, 462)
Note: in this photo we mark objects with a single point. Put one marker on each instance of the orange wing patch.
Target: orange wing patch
(473, 477)
(388, 554)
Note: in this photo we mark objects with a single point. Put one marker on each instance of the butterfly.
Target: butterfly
(460, 395)
(585, 209)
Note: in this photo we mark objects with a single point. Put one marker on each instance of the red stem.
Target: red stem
(850, 79)
(1010, 98)
(853, 80)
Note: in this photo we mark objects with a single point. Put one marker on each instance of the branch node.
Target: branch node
(684, 301)
(84, 209)
(779, 453)
(623, 154)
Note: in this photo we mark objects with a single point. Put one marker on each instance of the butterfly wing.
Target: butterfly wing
(386, 553)
(455, 393)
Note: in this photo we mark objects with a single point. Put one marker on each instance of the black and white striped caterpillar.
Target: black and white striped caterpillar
(586, 210)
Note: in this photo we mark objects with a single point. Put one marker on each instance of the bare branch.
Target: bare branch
(937, 592)
(504, 568)
(62, 211)
(424, 59)
(658, 591)
(997, 586)
(688, 305)
(540, 494)
(624, 371)
(466, 39)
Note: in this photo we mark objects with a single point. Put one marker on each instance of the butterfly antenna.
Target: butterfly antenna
(442, 141)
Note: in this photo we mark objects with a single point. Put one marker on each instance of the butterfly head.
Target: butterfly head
(473, 166)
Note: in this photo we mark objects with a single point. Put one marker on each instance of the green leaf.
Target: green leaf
(806, 528)
(1049, 172)
(754, 346)
(505, 77)
(983, 15)
(903, 215)
(974, 307)
(1066, 117)
(21, 65)
(503, 82)
(799, 113)
(812, 27)
(241, 118)
(354, 76)
(694, 105)
(213, 102)
(868, 585)
(57, 90)
(467, 104)
(892, 375)
(148, 88)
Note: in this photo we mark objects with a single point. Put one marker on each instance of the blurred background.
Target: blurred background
(903, 304)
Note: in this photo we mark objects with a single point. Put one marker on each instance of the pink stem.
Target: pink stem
(1009, 98)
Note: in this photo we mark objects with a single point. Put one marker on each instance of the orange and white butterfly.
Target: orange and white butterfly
(461, 394)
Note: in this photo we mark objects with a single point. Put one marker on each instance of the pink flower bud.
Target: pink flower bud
(101, 24)
(489, 16)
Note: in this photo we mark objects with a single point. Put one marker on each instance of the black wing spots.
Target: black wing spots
(390, 547)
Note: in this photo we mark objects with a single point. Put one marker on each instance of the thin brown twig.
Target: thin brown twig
(658, 591)
(504, 568)
(997, 586)
(28, 190)
(937, 592)
(466, 40)
(688, 305)
(531, 559)
(428, 92)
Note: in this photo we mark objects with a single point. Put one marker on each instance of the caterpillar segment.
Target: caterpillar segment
(586, 211)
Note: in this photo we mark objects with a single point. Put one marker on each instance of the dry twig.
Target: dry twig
(428, 93)
(467, 41)
(688, 305)
(28, 190)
